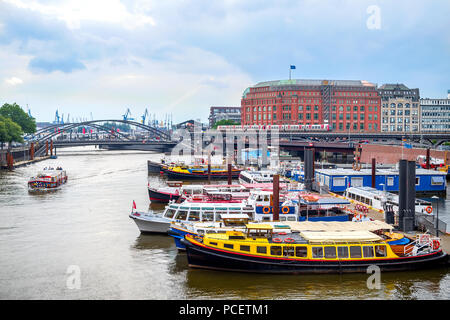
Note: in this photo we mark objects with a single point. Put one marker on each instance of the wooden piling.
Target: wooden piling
(51, 147)
(276, 197)
(428, 159)
(229, 174)
(46, 147)
(209, 168)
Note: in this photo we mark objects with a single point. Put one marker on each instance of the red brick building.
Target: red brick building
(346, 105)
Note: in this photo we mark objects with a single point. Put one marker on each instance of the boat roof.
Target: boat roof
(347, 236)
(382, 172)
(208, 205)
(259, 226)
(341, 226)
(234, 216)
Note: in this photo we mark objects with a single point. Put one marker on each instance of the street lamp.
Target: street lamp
(436, 199)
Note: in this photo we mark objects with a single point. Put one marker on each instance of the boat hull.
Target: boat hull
(200, 256)
(199, 176)
(161, 197)
(151, 225)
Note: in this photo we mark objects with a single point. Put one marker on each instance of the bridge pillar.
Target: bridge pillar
(46, 147)
(32, 151)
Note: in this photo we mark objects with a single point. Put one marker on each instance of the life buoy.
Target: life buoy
(285, 209)
(436, 244)
(266, 209)
(289, 240)
(429, 209)
(277, 240)
(282, 233)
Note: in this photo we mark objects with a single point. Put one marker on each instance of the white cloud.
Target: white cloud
(13, 81)
(74, 12)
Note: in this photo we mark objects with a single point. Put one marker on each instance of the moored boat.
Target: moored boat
(259, 249)
(200, 172)
(48, 179)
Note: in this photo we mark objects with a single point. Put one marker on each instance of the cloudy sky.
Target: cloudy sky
(181, 57)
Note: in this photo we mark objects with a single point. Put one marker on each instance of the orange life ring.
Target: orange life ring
(289, 240)
(264, 209)
(436, 244)
(429, 209)
(277, 240)
(285, 211)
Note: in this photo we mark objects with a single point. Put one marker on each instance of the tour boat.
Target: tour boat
(229, 222)
(378, 199)
(47, 179)
(253, 176)
(259, 249)
(200, 172)
(258, 207)
(176, 190)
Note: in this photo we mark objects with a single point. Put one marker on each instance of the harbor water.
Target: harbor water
(79, 243)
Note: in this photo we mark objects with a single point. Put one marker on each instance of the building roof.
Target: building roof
(394, 86)
(312, 82)
(365, 172)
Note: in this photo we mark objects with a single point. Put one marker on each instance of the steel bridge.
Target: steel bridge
(55, 130)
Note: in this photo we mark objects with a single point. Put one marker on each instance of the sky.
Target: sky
(181, 57)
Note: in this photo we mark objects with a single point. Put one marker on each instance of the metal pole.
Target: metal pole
(276, 197)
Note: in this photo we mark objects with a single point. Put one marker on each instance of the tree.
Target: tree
(16, 114)
(224, 122)
(9, 131)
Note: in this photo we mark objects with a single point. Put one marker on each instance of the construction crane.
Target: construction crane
(57, 118)
(127, 115)
(144, 116)
(68, 120)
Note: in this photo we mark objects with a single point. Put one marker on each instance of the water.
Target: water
(85, 227)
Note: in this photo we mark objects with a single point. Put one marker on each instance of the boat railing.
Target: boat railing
(424, 243)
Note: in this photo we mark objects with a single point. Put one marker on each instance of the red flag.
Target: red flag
(134, 205)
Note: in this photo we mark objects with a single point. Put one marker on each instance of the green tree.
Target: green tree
(224, 123)
(9, 131)
(16, 114)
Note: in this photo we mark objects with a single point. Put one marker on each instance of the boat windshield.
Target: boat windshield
(181, 215)
(169, 213)
(208, 216)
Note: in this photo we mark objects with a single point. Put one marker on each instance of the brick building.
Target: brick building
(346, 105)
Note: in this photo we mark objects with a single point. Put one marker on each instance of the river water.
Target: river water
(79, 243)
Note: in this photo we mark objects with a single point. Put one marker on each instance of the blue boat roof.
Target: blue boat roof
(383, 172)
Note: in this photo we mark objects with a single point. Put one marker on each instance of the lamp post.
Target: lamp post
(436, 200)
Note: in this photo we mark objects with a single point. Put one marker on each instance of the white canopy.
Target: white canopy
(344, 236)
(338, 225)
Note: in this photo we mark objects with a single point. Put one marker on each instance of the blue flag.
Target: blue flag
(292, 67)
(407, 145)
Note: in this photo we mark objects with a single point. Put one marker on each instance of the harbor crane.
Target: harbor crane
(127, 115)
(57, 118)
(144, 116)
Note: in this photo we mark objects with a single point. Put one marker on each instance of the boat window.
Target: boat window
(288, 251)
(380, 251)
(282, 218)
(301, 252)
(317, 252)
(342, 252)
(228, 245)
(291, 218)
(207, 216)
(275, 250)
(181, 215)
(194, 216)
(261, 249)
(368, 251)
(169, 213)
(245, 248)
(213, 243)
(330, 252)
(355, 252)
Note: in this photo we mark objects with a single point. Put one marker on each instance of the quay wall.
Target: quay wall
(392, 154)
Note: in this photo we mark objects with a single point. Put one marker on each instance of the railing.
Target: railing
(423, 243)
